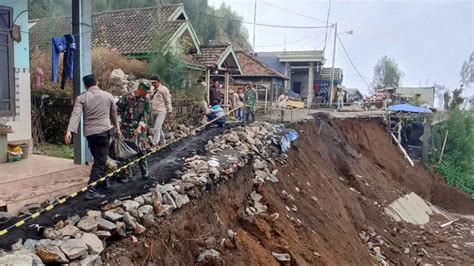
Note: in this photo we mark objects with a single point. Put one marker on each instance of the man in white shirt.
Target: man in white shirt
(282, 103)
(160, 106)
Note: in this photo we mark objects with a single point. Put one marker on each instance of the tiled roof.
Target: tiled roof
(253, 67)
(211, 55)
(129, 31)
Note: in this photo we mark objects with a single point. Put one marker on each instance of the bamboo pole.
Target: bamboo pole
(400, 131)
(226, 95)
(402, 149)
(444, 145)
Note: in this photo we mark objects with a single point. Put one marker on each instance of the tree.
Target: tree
(386, 73)
(457, 166)
(439, 93)
(446, 97)
(467, 71)
(457, 98)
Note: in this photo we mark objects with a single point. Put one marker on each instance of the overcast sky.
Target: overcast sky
(428, 39)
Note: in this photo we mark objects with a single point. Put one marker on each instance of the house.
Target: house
(269, 82)
(136, 33)
(35, 178)
(417, 95)
(140, 32)
(306, 75)
(353, 95)
(15, 106)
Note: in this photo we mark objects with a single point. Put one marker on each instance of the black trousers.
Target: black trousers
(99, 146)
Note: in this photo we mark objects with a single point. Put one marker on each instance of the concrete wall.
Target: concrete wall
(21, 122)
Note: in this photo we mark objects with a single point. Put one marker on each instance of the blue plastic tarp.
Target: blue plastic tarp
(289, 137)
(294, 96)
(408, 108)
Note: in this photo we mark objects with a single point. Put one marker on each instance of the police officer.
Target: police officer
(100, 117)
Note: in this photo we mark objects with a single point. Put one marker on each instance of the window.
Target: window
(7, 88)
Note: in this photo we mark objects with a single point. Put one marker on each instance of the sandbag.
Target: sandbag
(119, 150)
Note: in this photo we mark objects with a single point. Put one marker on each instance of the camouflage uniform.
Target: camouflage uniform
(135, 111)
(250, 97)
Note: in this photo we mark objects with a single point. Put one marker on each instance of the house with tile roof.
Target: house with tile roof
(269, 82)
(134, 32)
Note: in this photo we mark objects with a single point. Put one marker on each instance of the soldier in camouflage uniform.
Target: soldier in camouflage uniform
(135, 110)
(250, 98)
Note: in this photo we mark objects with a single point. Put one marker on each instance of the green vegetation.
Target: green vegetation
(457, 166)
(54, 150)
(386, 73)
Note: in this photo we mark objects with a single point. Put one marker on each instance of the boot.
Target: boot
(128, 177)
(92, 194)
(146, 175)
(106, 184)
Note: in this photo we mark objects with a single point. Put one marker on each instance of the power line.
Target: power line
(292, 12)
(310, 41)
(259, 24)
(292, 42)
(327, 23)
(350, 60)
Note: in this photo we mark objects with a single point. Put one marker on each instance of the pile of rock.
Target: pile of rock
(374, 243)
(79, 240)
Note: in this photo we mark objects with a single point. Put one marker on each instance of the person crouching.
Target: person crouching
(216, 113)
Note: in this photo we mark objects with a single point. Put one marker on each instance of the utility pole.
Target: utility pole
(254, 23)
(332, 68)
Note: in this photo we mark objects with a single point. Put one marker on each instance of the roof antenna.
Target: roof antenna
(284, 50)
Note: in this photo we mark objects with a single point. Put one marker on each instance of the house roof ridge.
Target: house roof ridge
(263, 64)
(109, 12)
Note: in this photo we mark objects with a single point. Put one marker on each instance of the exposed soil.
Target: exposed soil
(163, 166)
(341, 174)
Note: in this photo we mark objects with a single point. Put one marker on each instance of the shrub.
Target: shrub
(103, 62)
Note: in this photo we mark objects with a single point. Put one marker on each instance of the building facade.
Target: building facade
(15, 105)
(307, 78)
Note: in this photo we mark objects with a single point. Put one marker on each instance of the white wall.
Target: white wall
(21, 123)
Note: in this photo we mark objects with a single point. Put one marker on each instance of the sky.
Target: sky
(429, 39)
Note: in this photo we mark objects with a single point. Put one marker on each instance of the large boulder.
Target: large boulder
(91, 260)
(145, 209)
(112, 216)
(69, 230)
(106, 225)
(130, 205)
(16, 259)
(88, 223)
(74, 249)
(51, 254)
(93, 243)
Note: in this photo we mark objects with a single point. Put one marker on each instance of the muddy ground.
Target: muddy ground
(163, 166)
(341, 175)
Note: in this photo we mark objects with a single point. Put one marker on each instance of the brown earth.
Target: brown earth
(341, 175)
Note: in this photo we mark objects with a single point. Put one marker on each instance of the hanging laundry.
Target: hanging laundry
(67, 46)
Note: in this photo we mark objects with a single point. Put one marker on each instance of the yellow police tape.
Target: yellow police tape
(102, 179)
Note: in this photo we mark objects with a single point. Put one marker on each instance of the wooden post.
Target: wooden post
(403, 150)
(226, 94)
(208, 85)
(444, 145)
(266, 99)
(400, 131)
